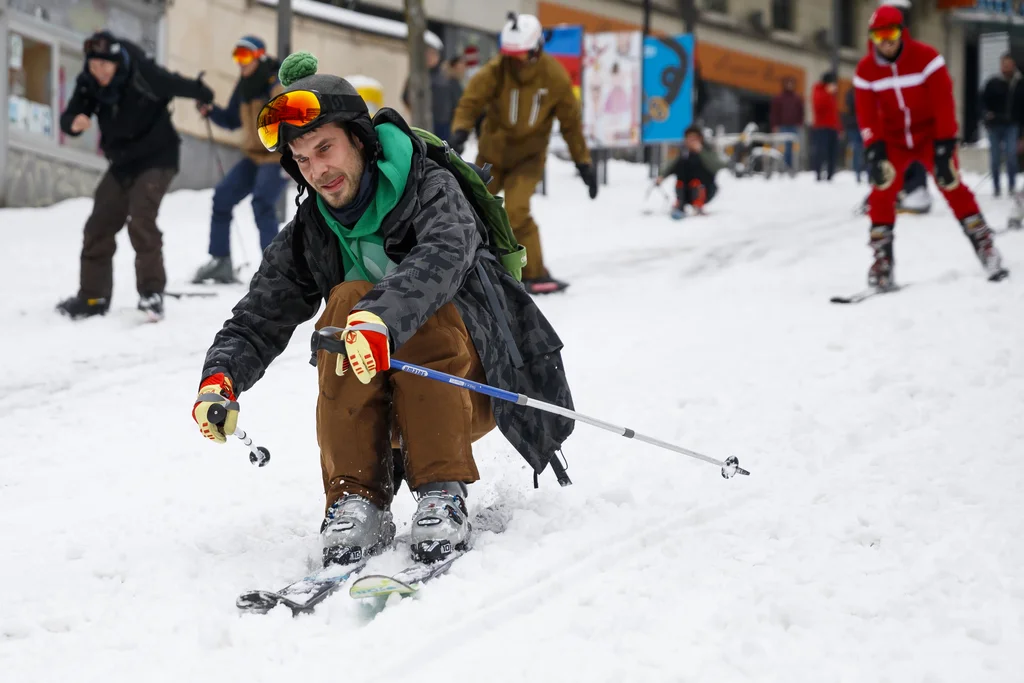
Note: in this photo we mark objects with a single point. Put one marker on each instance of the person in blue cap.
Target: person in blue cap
(258, 172)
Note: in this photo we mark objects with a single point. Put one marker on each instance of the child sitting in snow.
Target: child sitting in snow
(695, 170)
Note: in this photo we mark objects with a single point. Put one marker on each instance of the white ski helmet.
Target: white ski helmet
(902, 4)
(521, 34)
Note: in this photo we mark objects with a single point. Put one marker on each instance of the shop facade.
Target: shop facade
(42, 58)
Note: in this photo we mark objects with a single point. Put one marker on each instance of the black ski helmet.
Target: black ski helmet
(299, 72)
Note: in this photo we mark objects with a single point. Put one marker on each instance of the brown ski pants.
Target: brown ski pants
(433, 423)
(136, 202)
(519, 184)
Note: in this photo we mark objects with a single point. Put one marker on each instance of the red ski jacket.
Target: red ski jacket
(907, 103)
(826, 108)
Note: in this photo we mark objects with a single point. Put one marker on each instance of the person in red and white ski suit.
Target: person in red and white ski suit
(906, 113)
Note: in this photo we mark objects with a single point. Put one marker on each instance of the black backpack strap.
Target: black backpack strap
(558, 468)
(499, 317)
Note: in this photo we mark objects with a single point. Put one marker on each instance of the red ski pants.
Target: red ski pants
(882, 203)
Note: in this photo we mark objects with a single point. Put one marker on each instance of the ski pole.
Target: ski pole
(328, 339)
(218, 413)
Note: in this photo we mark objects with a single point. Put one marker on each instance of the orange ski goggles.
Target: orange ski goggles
(301, 108)
(246, 55)
(885, 34)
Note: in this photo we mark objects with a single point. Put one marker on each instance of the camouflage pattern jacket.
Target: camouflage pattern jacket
(441, 250)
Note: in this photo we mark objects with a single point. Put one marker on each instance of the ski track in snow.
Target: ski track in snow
(880, 536)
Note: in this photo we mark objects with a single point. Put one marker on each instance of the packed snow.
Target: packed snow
(879, 537)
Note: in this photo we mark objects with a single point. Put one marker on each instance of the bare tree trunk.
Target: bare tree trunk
(419, 77)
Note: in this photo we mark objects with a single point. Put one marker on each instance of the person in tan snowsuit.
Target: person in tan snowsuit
(523, 90)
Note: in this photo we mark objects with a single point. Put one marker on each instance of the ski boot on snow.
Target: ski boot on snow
(355, 528)
(978, 232)
(218, 270)
(544, 285)
(77, 307)
(153, 306)
(880, 275)
(441, 523)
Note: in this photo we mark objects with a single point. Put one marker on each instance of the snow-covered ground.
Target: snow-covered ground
(880, 536)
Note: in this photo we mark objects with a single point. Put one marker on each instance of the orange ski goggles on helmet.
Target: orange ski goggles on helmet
(246, 55)
(885, 34)
(299, 109)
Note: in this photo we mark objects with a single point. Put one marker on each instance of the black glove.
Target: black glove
(880, 170)
(458, 141)
(946, 174)
(204, 95)
(589, 177)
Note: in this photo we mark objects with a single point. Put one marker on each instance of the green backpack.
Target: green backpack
(489, 208)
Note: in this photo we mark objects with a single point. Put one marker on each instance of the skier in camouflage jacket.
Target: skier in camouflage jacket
(429, 290)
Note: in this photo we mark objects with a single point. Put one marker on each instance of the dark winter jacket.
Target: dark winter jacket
(439, 245)
(850, 114)
(136, 133)
(444, 97)
(787, 109)
(1002, 98)
(690, 166)
(251, 93)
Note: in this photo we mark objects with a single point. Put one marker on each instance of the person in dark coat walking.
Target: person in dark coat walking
(128, 93)
(258, 172)
(388, 240)
(786, 115)
(1001, 104)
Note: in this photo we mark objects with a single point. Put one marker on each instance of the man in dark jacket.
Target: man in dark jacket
(129, 94)
(695, 169)
(444, 92)
(388, 239)
(1001, 104)
(786, 115)
(258, 172)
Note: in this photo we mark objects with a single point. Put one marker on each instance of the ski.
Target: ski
(302, 595)
(865, 294)
(191, 295)
(406, 582)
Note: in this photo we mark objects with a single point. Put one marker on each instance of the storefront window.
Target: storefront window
(71, 64)
(29, 81)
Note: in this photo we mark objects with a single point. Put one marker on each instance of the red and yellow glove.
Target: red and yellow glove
(214, 386)
(367, 347)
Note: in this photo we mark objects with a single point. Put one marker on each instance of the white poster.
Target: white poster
(611, 89)
(992, 46)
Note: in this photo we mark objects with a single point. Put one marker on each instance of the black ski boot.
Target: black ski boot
(980, 235)
(218, 270)
(152, 305)
(880, 275)
(77, 307)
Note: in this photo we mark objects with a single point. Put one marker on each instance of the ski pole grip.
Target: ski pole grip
(217, 413)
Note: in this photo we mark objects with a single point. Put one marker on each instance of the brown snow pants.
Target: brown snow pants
(519, 183)
(433, 423)
(136, 202)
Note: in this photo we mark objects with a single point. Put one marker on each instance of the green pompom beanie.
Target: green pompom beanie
(297, 65)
